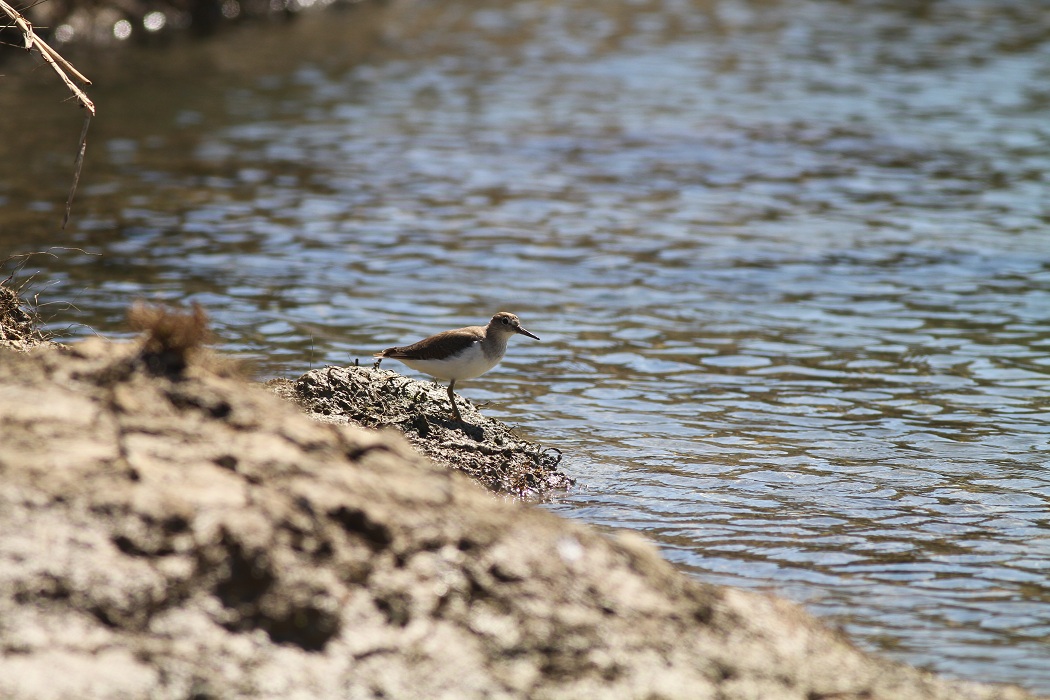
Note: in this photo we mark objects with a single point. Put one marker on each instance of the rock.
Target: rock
(169, 531)
(480, 447)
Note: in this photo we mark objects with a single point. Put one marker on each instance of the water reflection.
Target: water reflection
(788, 261)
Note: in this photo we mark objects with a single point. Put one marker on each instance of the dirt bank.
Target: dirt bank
(169, 531)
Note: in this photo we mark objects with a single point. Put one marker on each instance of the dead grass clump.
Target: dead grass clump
(173, 336)
(18, 327)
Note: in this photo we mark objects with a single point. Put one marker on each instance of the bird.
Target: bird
(461, 353)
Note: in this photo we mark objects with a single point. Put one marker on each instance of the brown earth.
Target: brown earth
(169, 531)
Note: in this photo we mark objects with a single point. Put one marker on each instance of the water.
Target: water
(789, 262)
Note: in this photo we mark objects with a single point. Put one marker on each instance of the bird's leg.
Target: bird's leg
(452, 400)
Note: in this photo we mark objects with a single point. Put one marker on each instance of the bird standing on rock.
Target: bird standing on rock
(462, 353)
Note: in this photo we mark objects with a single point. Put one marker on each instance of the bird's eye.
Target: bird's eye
(506, 321)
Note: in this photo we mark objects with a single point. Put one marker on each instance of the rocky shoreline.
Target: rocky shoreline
(486, 450)
(168, 530)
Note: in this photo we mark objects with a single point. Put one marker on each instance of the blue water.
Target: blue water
(789, 263)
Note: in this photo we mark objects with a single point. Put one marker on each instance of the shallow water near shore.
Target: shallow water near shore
(789, 263)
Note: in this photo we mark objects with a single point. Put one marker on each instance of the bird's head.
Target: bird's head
(508, 324)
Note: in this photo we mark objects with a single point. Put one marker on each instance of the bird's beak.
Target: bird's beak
(525, 332)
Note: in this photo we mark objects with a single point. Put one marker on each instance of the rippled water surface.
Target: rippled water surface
(789, 261)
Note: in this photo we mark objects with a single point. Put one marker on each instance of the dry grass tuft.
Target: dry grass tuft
(19, 329)
(173, 336)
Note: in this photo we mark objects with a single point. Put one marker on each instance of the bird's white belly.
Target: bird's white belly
(468, 364)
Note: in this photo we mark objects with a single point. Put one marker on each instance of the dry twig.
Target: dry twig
(63, 68)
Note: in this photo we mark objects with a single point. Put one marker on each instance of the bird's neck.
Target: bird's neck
(494, 344)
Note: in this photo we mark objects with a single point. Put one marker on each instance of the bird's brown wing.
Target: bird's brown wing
(436, 347)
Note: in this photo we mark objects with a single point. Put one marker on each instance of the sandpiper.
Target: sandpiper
(463, 353)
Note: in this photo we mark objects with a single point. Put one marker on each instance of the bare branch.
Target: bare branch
(63, 68)
(77, 166)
